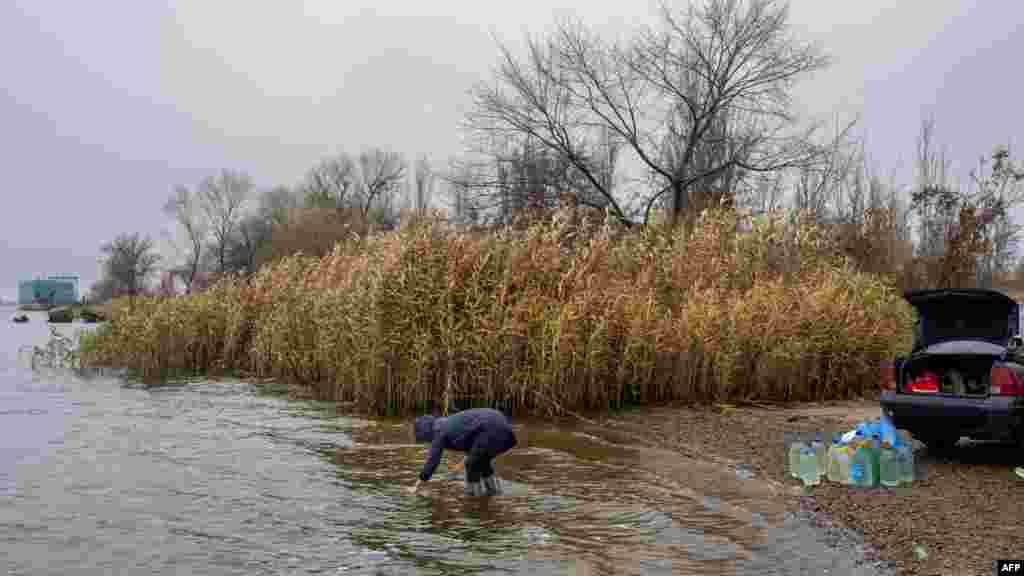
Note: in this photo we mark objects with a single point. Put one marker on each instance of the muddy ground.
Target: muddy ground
(964, 513)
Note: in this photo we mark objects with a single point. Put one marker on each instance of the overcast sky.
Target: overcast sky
(106, 106)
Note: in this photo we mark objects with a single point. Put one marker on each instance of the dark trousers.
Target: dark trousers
(481, 467)
(487, 446)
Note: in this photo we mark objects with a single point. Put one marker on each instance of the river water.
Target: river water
(101, 477)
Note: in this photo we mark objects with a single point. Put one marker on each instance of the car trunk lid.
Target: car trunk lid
(946, 316)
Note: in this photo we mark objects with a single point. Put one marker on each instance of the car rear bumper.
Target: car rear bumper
(993, 418)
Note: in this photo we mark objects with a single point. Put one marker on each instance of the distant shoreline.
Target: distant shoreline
(98, 312)
(38, 307)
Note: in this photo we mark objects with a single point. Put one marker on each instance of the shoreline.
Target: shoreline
(962, 512)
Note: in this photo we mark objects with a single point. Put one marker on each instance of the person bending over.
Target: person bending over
(482, 433)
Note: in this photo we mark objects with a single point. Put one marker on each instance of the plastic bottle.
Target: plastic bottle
(798, 466)
(865, 462)
(876, 456)
(839, 461)
(906, 453)
(832, 465)
(794, 458)
(890, 466)
(902, 465)
(871, 450)
(854, 446)
(858, 464)
(820, 454)
(844, 456)
(809, 467)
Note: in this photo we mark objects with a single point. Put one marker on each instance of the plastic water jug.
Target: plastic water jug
(838, 464)
(890, 467)
(876, 453)
(870, 470)
(858, 464)
(820, 454)
(906, 454)
(863, 468)
(832, 469)
(794, 458)
(809, 467)
(844, 456)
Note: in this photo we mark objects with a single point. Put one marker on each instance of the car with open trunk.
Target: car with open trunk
(964, 376)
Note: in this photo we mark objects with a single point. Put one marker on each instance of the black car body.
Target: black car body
(965, 374)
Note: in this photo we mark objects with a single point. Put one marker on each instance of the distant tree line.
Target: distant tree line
(225, 225)
(694, 112)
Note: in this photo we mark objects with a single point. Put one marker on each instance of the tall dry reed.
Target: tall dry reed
(560, 315)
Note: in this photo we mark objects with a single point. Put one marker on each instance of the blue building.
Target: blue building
(56, 290)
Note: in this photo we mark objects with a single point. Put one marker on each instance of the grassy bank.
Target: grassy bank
(559, 315)
(83, 311)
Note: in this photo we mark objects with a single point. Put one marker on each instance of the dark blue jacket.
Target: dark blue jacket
(481, 432)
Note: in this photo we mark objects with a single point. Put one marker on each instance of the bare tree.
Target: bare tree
(332, 183)
(184, 207)
(833, 187)
(513, 170)
(856, 194)
(458, 182)
(129, 262)
(996, 193)
(529, 178)
(513, 177)
(275, 203)
(423, 186)
(605, 158)
(253, 234)
(934, 199)
(534, 101)
(724, 71)
(381, 172)
(223, 197)
(702, 102)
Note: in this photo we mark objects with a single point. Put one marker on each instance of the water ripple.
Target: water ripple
(220, 478)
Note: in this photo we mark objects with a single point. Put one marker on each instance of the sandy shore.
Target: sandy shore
(965, 513)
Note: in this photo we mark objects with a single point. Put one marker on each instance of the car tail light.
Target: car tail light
(887, 376)
(927, 382)
(1006, 382)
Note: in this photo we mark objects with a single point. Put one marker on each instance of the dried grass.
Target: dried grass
(563, 314)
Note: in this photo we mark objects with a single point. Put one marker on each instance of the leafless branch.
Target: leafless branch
(223, 197)
(185, 207)
(380, 174)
